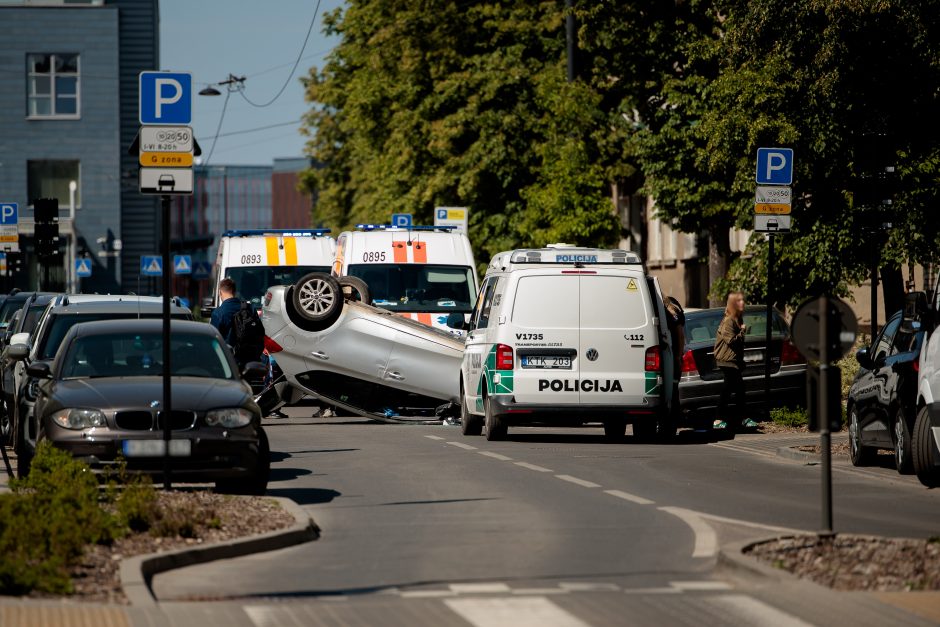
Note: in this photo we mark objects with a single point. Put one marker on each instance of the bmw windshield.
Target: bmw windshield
(418, 287)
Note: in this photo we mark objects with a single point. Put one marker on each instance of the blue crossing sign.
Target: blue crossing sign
(9, 213)
(402, 220)
(83, 268)
(183, 264)
(202, 270)
(774, 166)
(151, 265)
(166, 98)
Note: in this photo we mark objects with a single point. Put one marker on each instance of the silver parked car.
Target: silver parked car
(358, 357)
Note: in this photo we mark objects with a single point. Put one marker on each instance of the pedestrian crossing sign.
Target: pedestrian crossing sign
(151, 265)
(183, 264)
(83, 268)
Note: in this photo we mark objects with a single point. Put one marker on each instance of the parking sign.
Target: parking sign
(774, 166)
(166, 98)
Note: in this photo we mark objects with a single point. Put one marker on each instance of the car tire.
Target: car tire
(860, 454)
(317, 297)
(903, 460)
(6, 425)
(615, 430)
(644, 430)
(921, 448)
(257, 483)
(300, 321)
(495, 428)
(354, 288)
(469, 424)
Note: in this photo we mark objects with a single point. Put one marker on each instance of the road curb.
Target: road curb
(137, 572)
(791, 453)
(732, 557)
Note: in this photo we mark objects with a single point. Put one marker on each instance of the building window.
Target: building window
(53, 85)
(50, 179)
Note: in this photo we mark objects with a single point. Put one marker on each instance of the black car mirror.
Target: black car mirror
(863, 358)
(254, 370)
(206, 308)
(18, 352)
(39, 370)
(457, 321)
(910, 326)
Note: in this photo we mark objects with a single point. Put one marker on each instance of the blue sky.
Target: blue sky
(258, 40)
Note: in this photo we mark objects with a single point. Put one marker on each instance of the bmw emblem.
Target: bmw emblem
(592, 354)
(154, 404)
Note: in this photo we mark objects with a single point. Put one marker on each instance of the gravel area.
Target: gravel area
(849, 562)
(838, 450)
(221, 517)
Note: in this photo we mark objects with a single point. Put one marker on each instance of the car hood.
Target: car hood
(191, 393)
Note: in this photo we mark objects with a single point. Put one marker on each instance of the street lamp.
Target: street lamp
(70, 271)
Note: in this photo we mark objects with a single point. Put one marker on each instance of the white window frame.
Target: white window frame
(52, 93)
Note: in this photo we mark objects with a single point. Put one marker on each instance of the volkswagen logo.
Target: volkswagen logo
(592, 354)
(154, 404)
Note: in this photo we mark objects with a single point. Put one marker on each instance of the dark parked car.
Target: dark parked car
(881, 405)
(100, 398)
(701, 382)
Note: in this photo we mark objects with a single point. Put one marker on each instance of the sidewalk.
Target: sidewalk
(770, 443)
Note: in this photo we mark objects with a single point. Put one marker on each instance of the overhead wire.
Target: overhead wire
(252, 130)
(228, 92)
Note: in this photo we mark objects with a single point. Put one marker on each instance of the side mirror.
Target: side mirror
(17, 352)
(39, 370)
(254, 370)
(910, 326)
(19, 338)
(457, 321)
(206, 308)
(864, 359)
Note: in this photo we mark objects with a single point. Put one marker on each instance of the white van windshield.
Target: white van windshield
(418, 287)
(253, 281)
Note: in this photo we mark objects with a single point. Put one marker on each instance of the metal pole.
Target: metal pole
(823, 403)
(770, 319)
(167, 394)
(874, 296)
(569, 35)
(70, 270)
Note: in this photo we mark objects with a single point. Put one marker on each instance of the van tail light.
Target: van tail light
(271, 346)
(504, 358)
(654, 362)
(789, 355)
(916, 365)
(688, 363)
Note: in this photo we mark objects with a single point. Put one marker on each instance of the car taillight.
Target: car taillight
(267, 299)
(789, 355)
(504, 360)
(653, 359)
(688, 363)
(916, 365)
(271, 346)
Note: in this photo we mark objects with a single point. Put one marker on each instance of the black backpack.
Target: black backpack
(248, 334)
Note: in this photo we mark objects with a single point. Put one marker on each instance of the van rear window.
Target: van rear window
(613, 302)
(549, 302)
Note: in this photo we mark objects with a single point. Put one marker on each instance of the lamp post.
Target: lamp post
(70, 270)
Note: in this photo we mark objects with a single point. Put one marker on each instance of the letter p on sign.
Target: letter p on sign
(774, 166)
(166, 98)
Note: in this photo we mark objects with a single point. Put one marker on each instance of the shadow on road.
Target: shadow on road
(287, 474)
(437, 502)
(684, 437)
(305, 496)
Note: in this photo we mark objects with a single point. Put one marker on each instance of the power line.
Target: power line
(313, 21)
(228, 93)
(252, 130)
(277, 67)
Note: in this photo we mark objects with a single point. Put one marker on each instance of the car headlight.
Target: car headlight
(79, 418)
(229, 417)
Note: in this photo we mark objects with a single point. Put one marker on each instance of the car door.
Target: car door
(425, 361)
(475, 348)
(874, 418)
(660, 326)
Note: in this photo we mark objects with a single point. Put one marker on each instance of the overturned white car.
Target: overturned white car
(358, 357)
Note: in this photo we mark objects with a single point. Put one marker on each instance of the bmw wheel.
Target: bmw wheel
(926, 465)
(858, 452)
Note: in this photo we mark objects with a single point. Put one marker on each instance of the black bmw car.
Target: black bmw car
(100, 398)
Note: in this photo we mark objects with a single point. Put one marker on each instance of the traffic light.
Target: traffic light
(816, 396)
(46, 233)
(46, 210)
(876, 177)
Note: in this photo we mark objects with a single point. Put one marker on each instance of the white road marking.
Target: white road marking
(626, 496)
(747, 523)
(652, 591)
(513, 612)
(534, 467)
(463, 446)
(427, 594)
(706, 542)
(262, 615)
(581, 482)
(479, 588)
(433, 437)
(496, 456)
(586, 586)
(539, 591)
(687, 586)
(756, 613)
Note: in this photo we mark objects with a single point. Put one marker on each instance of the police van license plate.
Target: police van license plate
(157, 448)
(540, 361)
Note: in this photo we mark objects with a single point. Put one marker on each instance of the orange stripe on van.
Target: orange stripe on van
(424, 318)
(399, 252)
(420, 252)
(270, 244)
(290, 251)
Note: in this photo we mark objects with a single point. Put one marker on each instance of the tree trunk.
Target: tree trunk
(719, 260)
(892, 286)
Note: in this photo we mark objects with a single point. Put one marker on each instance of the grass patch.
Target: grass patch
(789, 417)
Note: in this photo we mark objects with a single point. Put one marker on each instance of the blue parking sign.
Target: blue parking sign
(401, 220)
(9, 213)
(166, 98)
(774, 166)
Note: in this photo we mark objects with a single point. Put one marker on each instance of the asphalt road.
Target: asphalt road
(421, 525)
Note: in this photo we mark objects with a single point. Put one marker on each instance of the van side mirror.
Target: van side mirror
(254, 370)
(17, 352)
(39, 370)
(457, 321)
(206, 308)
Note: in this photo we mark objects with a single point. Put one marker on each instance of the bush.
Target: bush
(789, 417)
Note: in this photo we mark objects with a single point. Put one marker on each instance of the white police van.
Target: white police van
(568, 336)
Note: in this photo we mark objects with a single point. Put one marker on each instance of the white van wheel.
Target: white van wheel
(317, 297)
(615, 430)
(495, 429)
(469, 424)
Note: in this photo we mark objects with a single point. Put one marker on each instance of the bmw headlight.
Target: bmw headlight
(229, 417)
(79, 418)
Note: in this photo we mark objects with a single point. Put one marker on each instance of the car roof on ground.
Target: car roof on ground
(131, 325)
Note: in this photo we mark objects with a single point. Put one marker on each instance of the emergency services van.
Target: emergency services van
(425, 273)
(568, 336)
(258, 259)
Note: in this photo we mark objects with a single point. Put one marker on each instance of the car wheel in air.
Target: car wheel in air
(495, 428)
(317, 297)
(902, 445)
(859, 454)
(925, 466)
(615, 430)
(469, 424)
(355, 289)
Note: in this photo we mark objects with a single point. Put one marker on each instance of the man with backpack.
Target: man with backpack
(239, 324)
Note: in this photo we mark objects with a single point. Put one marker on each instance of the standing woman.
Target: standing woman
(729, 356)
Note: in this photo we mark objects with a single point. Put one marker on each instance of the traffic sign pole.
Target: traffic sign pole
(770, 268)
(167, 388)
(825, 438)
